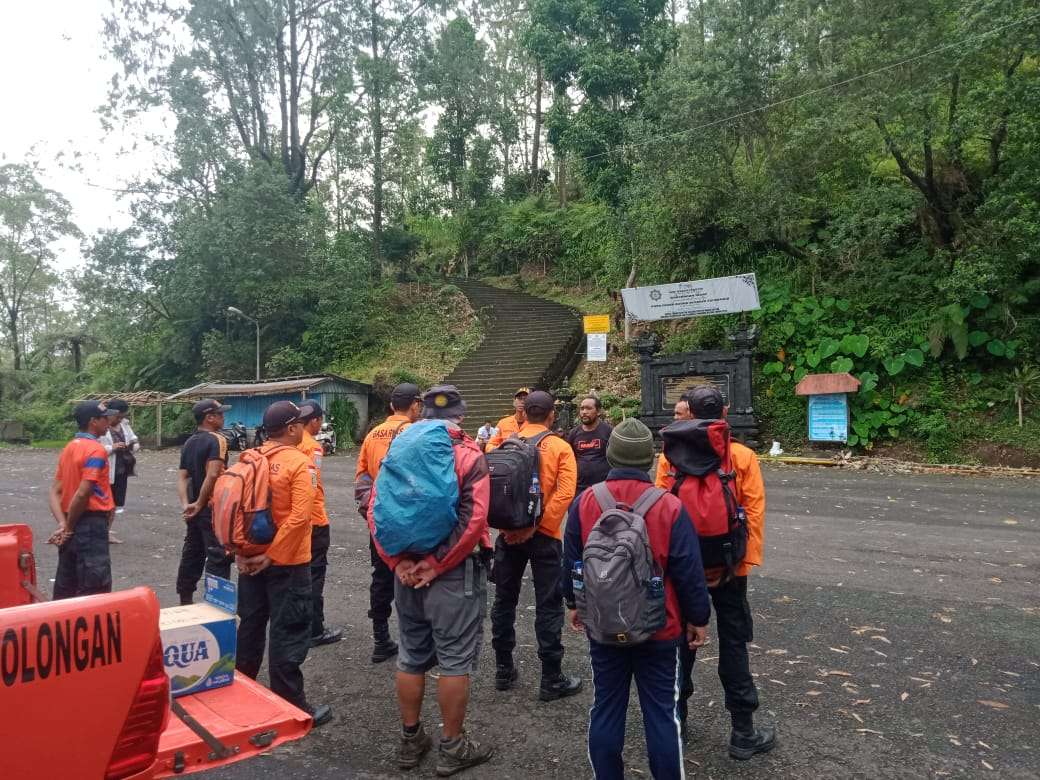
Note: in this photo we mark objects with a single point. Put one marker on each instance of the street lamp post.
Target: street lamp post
(243, 315)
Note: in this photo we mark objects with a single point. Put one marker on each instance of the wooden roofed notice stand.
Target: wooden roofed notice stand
(142, 398)
(828, 405)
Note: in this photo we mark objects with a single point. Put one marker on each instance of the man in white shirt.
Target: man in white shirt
(120, 443)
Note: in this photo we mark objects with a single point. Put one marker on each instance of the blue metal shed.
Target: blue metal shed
(248, 400)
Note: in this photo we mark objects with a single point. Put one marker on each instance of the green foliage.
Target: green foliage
(345, 420)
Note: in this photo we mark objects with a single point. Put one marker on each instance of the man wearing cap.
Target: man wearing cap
(507, 426)
(655, 663)
(274, 586)
(541, 546)
(311, 415)
(441, 601)
(120, 442)
(732, 612)
(405, 406)
(204, 457)
(81, 502)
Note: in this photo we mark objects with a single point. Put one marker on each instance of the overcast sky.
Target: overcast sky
(54, 73)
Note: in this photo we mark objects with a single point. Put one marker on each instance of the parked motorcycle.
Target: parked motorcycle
(236, 436)
(259, 436)
(327, 437)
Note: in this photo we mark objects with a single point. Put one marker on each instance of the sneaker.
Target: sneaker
(327, 637)
(744, 745)
(559, 687)
(112, 539)
(412, 748)
(384, 650)
(321, 714)
(119, 510)
(506, 676)
(461, 754)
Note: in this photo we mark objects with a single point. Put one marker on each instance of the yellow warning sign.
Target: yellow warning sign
(597, 323)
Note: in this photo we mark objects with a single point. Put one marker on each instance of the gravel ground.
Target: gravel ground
(897, 634)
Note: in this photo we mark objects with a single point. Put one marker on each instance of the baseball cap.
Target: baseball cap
(523, 391)
(443, 401)
(208, 406)
(85, 411)
(404, 395)
(310, 410)
(539, 400)
(279, 414)
(119, 405)
(705, 402)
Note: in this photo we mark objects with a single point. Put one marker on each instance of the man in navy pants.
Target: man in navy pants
(655, 663)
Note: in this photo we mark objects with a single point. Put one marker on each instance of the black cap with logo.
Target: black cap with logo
(85, 411)
(279, 414)
(443, 402)
(208, 406)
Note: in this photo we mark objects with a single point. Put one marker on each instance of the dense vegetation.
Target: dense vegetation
(877, 165)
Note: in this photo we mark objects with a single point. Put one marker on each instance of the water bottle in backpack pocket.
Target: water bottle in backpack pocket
(621, 600)
(516, 498)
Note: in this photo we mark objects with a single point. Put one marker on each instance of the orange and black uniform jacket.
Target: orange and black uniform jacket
(85, 458)
(558, 475)
(373, 450)
(507, 426)
(313, 450)
(294, 483)
(750, 492)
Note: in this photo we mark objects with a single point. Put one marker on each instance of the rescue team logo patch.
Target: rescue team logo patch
(440, 401)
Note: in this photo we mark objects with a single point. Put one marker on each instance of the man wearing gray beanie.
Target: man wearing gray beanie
(654, 663)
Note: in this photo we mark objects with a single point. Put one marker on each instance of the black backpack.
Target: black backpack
(513, 466)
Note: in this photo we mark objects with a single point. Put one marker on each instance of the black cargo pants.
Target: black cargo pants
(84, 564)
(320, 541)
(201, 551)
(381, 590)
(280, 596)
(734, 627)
(545, 555)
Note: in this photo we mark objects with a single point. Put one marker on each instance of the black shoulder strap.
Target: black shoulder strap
(678, 484)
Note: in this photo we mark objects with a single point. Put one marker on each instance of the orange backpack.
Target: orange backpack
(242, 519)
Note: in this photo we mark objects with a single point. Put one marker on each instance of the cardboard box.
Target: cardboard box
(199, 640)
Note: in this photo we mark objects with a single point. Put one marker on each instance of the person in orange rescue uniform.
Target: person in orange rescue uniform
(275, 583)
(543, 548)
(405, 407)
(507, 426)
(733, 622)
(311, 415)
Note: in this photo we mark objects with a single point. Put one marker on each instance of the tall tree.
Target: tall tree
(32, 220)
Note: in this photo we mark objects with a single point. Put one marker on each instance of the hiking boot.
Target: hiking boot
(384, 650)
(506, 676)
(744, 744)
(460, 754)
(327, 637)
(412, 748)
(558, 687)
(321, 714)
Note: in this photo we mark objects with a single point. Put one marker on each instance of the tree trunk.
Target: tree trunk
(1018, 397)
(377, 144)
(16, 345)
(536, 141)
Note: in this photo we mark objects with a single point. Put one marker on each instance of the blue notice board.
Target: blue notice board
(829, 417)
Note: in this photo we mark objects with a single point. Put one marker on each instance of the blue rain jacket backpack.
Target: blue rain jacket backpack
(417, 492)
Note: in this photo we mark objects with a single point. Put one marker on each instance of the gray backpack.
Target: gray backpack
(620, 593)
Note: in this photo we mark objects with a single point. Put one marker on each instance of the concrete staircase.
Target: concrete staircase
(528, 342)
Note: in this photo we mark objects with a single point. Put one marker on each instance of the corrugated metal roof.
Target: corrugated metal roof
(134, 398)
(825, 384)
(272, 387)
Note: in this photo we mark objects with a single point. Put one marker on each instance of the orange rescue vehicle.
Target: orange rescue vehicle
(84, 693)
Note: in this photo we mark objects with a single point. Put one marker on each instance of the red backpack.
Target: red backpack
(242, 520)
(699, 453)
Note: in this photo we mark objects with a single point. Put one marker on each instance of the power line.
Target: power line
(818, 90)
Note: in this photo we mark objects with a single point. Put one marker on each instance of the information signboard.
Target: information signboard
(597, 347)
(724, 295)
(829, 417)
